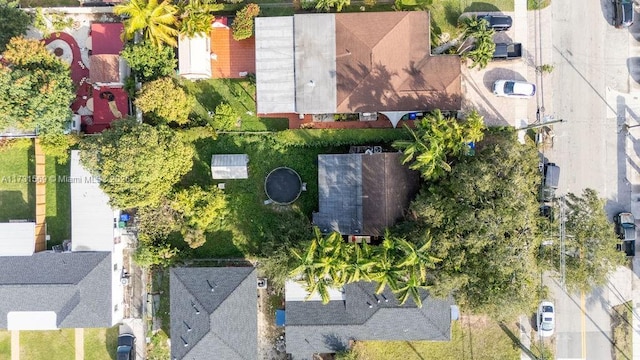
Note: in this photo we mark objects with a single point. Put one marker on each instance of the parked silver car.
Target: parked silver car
(546, 319)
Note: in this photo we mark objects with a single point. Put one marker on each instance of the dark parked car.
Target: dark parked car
(550, 181)
(622, 13)
(126, 347)
(626, 230)
(498, 22)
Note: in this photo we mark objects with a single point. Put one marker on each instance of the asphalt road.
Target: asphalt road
(590, 82)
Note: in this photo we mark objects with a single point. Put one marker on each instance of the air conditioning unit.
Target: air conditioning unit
(262, 283)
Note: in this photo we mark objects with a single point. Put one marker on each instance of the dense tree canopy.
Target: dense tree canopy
(137, 163)
(482, 219)
(35, 88)
(155, 20)
(150, 62)
(13, 21)
(200, 207)
(590, 252)
(165, 102)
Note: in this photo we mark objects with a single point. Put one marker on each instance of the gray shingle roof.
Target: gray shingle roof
(312, 327)
(362, 194)
(220, 324)
(76, 286)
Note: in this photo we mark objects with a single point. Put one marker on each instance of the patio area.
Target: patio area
(91, 35)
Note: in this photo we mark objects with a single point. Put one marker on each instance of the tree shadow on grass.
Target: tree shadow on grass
(111, 342)
(516, 340)
(13, 206)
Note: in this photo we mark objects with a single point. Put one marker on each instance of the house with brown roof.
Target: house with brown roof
(363, 194)
(353, 63)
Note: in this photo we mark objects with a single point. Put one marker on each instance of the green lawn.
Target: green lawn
(237, 93)
(58, 202)
(100, 344)
(17, 194)
(484, 340)
(5, 345)
(47, 345)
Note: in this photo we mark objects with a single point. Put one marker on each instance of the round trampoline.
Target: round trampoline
(283, 185)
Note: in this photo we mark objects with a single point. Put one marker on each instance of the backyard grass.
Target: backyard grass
(5, 345)
(100, 344)
(17, 194)
(58, 202)
(621, 317)
(47, 345)
(483, 339)
(239, 94)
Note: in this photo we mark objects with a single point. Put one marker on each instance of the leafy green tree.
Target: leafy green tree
(242, 26)
(196, 16)
(200, 207)
(154, 255)
(590, 255)
(150, 62)
(224, 117)
(327, 5)
(13, 22)
(165, 102)
(194, 237)
(57, 145)
(155, 20)
(137, 163)
(477, 42)
(482, 220)
(35, 88)
(437, 137)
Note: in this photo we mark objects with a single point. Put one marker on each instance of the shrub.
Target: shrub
(224, 118)
(149, 62)
(243, 24)
(165, 101)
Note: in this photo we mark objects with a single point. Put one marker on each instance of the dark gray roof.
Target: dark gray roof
(76, 286)
(362, 194)
(220, 324)
(312, 327)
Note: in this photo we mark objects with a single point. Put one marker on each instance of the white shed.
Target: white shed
(229, 166)
(194, 57)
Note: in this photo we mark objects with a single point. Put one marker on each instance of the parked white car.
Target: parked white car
(514, 89)
(546, 319)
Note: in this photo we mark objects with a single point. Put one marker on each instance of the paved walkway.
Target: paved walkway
(15, 345)
(41, 204)
(79, 344)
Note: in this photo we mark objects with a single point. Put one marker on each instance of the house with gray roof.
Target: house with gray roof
(74, 285)
(362, 194)
(356, 313)
(214, 313)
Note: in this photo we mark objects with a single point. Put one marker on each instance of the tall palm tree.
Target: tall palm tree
(155, 20)
(386, 271)
(360, 264)
(477, 44)
(417, 260)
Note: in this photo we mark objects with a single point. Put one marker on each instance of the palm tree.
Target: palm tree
(477, 41)
(196, 16)
(417, 260)
(386, 271)
(359, 265)
(155, 20)
(411, 289)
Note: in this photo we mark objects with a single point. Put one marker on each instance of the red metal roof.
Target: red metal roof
(106, 38)
(103, 113)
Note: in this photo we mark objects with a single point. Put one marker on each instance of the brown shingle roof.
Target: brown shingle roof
(104, 68)
(384, 63)
(387, 190)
